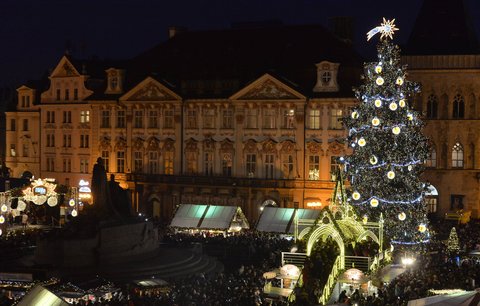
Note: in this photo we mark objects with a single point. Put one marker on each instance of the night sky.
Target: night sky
(36, 33)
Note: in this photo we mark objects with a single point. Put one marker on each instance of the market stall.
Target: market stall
(282, 220)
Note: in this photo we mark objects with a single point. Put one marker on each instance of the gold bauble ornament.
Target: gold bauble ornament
(375, 121)
(374, 202)
(399, 81)
(354, 115)
(378, 69)
(379, 81)
(422, 228)
(378, 103)
(396, 130)
(402, 103)
(2, 219)
(402, 216)
(356, 195)
(4, 208)
(410, 116)
(393, 106)
(362, 142)
(373, 160)
(391, 175)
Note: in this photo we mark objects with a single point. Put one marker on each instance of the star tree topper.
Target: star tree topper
(386, 29)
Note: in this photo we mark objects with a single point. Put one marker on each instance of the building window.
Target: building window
(457, 156)
(50, 140)
(67, 95)
(138, 162)
(168, 118)
(333, 167)
(50, 164)
(326, 77)
(121, 119)
(27, 104)
(83, 165)
(67, 165)
(168, 162)
(50, 116)
(269, 166)
(269, 118)
(152, 162)
(314, 119)
(67, 141)
(84, 141)
(67, 117)
(75, 94)
(252, 118)
(288, 119)
(105, 122)
(25, 150)
(458, 107)
(25, 124)
(58, 94)
(287, 165)
(208, 163)
(432, 107)
(106, 160)
(138, 119)
(13, 152)
(314, 167)
(152, 119)
(120, 161)
(431, 161)
(456, 202)
(84, 116)
(227, 164)
(191, 158)
(335, 119)
(12, 125)
(208, 118)
(251, 165)
(227, 118)
(191, 119)
(431, 203)
(113, 83)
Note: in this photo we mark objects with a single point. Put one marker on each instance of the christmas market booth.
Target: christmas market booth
(150, 287)
(282, 220)
(40, 295)
(195, 218)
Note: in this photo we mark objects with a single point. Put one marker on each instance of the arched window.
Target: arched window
(458, 107)
(431, 161)
(432, 107)
(457, 156)
(431, 199)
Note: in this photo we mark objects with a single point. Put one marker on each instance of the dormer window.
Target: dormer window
(25, 97)
(114, 81)
(326, 77)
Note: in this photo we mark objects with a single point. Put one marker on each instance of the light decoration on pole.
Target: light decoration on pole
(84, 192)
(4, 208)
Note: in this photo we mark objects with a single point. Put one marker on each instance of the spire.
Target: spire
(443, 27)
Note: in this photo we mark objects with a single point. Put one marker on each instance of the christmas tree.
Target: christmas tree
(388, 146)
(453, 246)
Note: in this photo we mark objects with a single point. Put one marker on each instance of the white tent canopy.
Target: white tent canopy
(40, 296)
(281, 220)
(205, 217)
(463, 298)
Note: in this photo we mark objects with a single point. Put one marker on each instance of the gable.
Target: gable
(267, 88)
(150, 90)
(64, 69)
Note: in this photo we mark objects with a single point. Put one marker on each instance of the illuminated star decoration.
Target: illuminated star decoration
(386, 28)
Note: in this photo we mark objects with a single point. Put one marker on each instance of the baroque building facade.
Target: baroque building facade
(218, 130)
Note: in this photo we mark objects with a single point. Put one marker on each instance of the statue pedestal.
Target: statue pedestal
(112, 244)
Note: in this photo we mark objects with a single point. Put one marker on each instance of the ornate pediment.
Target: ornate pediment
(336, 148)
(288, 147)
(269, 147)
(65, 69)
(150, 90)
(314, 147)
(267, 88)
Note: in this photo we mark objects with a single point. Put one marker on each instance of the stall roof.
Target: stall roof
(40, 296)
(280, 220)
(206, 217)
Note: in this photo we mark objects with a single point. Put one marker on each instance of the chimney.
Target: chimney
(173, 31)
(342, 27)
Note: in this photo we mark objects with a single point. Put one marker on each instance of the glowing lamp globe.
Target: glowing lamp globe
(356, 195)
(52, 201)
(378, 103)
(71, 202)
(391, 175)
(402, 103)
(402, 216)
(373, 160)
(4, 208)
(74, 213)
(396, 130)
(354, 115)
(378, 69)
(375, 121)
(374, 202)
(379, 81)
(2, 219)
(362, 142)
(393, 106)
(399, 81)
(422, 228)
